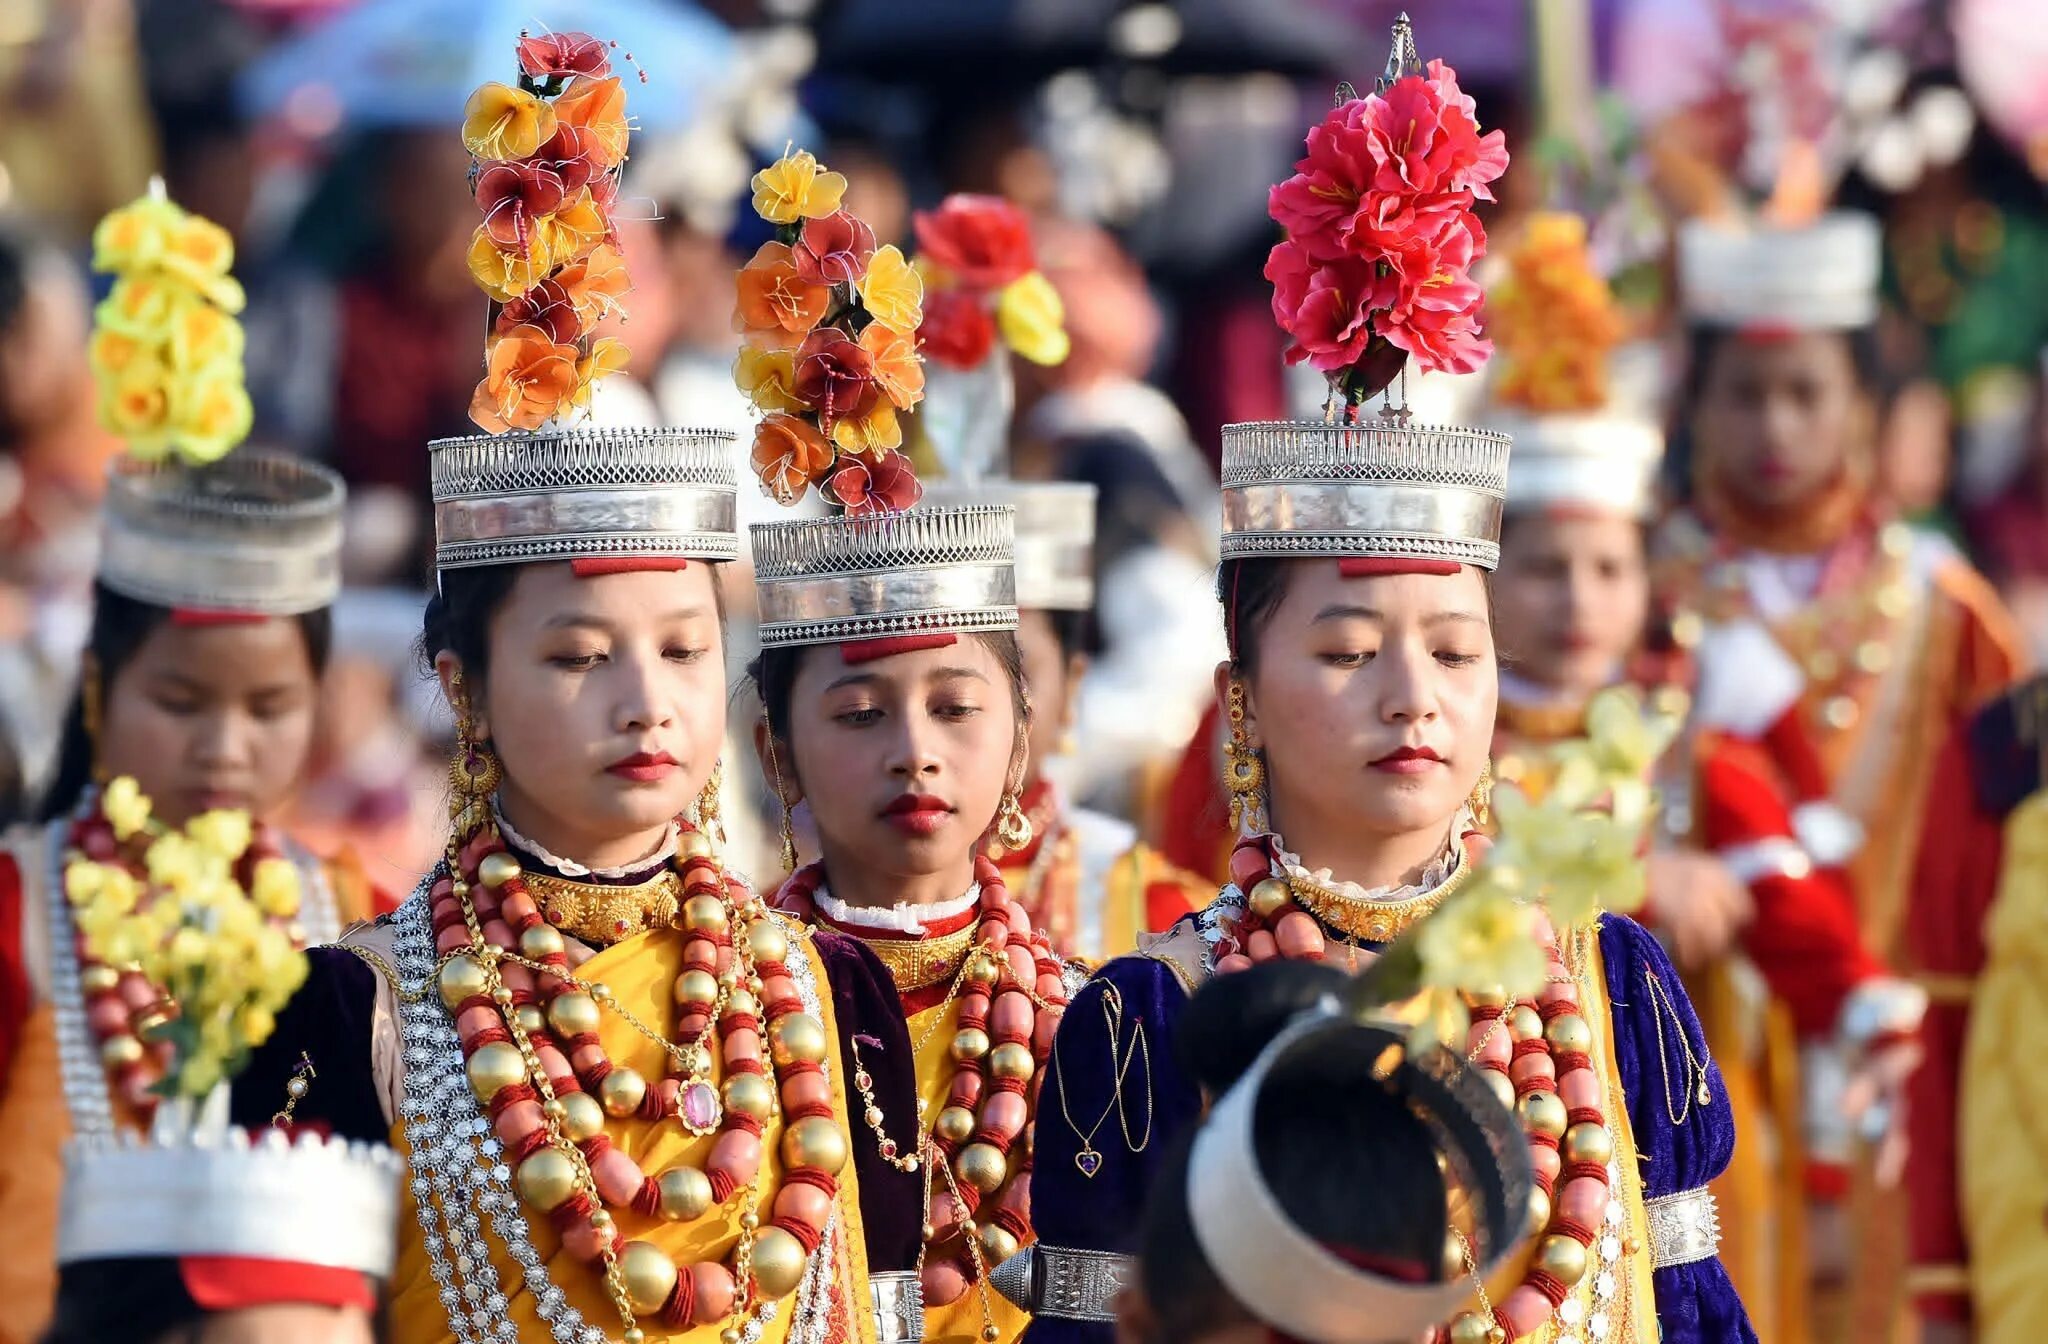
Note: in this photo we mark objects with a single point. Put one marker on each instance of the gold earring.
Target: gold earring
(788, 827)
(710, 821)
(89, 713)
(1481, 801)
(475, 773)
(1244, 773)
(1013, 828)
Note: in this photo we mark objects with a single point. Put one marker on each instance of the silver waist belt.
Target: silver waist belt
(898, 1299)
(1070, 1285)
(1684, 1228)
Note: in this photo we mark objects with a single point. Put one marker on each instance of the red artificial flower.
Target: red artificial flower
(548, 307)
(575, 154)
(834, 250)
(983, 242)
(1326, 307)
(889, 484)
(957, 330)
(1422, 143)
(834, 376)
(1478, 160)
(552, 55)
(1316, 204)
(513, 196)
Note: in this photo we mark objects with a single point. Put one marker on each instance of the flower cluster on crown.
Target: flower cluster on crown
(1554, 320)
(1375, 268)
(166, 349)
(830, 323)
(203, 913)
(982, 281)
(548, 154)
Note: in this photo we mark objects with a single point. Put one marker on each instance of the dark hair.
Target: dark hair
(1076, 632)
(1349, 1162)
(120, 627)
(774, 671)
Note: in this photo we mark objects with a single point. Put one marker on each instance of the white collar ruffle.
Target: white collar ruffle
(661, 854)
(898, 918)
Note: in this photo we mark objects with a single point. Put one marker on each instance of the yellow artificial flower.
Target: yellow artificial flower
(608, 355)
(1435, 1017)
(83, 880)
(892, 291)
(1032, 319)
(506, 275)
(501, 122)
(201, 337)
(573, 231)
(1482, 938)
(125, 806)
(144, 306)
(113, 352)
(210, 415)
(134, 237)
(797, 187)
(224, 831)
(254, 1025)
(199, 252)
(869, 435)
(766, 377)
(198, 1074)
(136, 406)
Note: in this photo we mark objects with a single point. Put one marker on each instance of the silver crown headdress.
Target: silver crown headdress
(1286, 1278)
(1821, 276)
(920, 571)
(1055, 535)
(1373, 488)
(206, 1187)
(1605, 461)
(253, 534)
(584, 494)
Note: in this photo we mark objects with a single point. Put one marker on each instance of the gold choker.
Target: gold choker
(1366, 919)
(601, 914)
(920, 963)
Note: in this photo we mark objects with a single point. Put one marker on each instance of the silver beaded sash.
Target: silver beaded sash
(460, 1175)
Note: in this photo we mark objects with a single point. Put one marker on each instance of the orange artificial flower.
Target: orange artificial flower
(871, 433)
(597, 106)
(777, 307)
(575, 229)
(797, 187)
(501, 122)
(112, 352)
(596, 283)
(529, 380)
(608, 355)
(767, 377)
(506, 274)
(898, 370)
(790, 455)
(892, 291)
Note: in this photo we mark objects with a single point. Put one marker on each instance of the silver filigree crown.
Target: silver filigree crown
(1055, 535)
(1820, 276)
(256, 534)
(1602, 461)
(922, 571)
(1371, 489)
(584, 493)
(309, 1201)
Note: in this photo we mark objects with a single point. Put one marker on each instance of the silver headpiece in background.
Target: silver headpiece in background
(921, 571)
(1602, 461)
(254, 534)
(1821, 276)
(1055, 535)
(1382, 489)
(584, 494)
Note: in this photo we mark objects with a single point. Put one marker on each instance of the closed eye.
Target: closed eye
(687, 655)
(859, 717)
(1457, 659)
(577, 662)
(1347, 660)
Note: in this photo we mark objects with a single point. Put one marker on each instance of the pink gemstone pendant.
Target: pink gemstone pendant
(700, 1109)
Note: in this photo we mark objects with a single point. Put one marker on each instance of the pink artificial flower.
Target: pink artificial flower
(1424, 138)
(1489, 158)
(1315, 204)
(553, 55)
(889, 484)
(1437, 322)
(513, 196)
(834, 250)
(833, 376)
(1326, 307)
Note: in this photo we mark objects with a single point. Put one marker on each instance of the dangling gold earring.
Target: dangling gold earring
(788, 827)
(1244, 773)
(710, 820)
(1481, 801)
(1013, 827)
(89, 712)
(474, 774)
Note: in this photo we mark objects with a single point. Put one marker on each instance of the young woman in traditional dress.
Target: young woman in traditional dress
(895, 707)
(1836, 650)
(197, 689)
(1084, 877)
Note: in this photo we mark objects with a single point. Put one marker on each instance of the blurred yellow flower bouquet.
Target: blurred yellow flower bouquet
(203, 917)
(166, 348)
(1553, 320)
(1566, 855)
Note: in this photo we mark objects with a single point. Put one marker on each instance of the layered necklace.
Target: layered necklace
(528, 1029)
(975, 1154)
(1537, 1057)
(110, 1018)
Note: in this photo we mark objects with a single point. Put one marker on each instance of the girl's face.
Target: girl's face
(1374, 699)
(1573, 595)
(903, 760)
(1778, 419)
(605, 702)
(212, 716)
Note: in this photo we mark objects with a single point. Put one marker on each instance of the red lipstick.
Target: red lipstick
(643, 767)
(1408, 761)
(919, 814)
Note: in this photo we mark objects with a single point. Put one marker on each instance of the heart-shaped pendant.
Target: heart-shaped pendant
(1089, 1161)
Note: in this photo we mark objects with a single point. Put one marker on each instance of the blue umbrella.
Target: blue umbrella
(402, 63)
